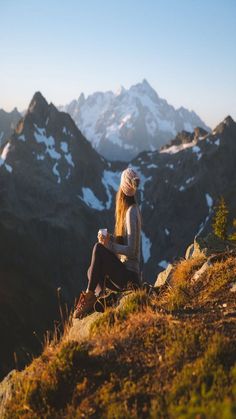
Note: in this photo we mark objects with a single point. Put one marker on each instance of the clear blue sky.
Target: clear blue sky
(186, 49)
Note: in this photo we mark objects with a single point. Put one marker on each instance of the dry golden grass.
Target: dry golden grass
(179, 292)
(184, 270)
(218, 276)
(140, 361)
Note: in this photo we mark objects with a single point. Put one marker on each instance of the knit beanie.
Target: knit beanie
(129, 182)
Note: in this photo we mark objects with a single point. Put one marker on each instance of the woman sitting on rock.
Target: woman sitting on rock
(114, 265)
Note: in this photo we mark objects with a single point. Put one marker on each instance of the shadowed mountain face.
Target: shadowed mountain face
(8, 122)
(56, 192)
(51, 182)
(123, 124)
(182, 184)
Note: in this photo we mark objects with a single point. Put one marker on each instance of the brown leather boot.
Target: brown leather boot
(85, 304)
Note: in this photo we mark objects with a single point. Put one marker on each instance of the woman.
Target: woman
(115, 265)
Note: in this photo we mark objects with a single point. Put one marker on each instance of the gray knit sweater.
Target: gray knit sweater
(129, 253)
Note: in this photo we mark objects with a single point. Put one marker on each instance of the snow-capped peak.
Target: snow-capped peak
(120, 125)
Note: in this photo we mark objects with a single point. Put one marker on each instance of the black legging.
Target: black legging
(108, 271)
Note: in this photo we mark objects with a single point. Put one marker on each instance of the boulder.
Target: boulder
(164, 276)
(211, 244)
(81, 327)
(201, 271)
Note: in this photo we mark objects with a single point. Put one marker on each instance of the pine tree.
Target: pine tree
(220, 219)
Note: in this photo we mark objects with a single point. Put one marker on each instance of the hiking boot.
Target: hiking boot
(85, 304)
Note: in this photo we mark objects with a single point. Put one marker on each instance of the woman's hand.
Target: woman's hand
(103, 239)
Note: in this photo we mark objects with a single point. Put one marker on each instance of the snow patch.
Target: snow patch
(197, 150)
(176, 148)
(22, 138)
(68, 157)
(64, 146)
(40, 157)
(49, 142)
(5, 151)
(143, 180)
(8, 167)
(152, 166)
(170, 165)
(146, 247)
(56, 172)
(91, 200)
(111, 180)
(4, 156)
(209, 200)
(190, 179)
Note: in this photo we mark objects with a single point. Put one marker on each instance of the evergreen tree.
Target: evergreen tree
(220, 219)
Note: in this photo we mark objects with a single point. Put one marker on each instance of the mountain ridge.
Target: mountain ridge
(122, 124)
(8, 122)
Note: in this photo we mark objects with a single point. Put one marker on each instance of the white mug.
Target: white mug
(102, 232)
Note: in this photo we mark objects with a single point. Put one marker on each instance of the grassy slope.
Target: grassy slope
(171, 355)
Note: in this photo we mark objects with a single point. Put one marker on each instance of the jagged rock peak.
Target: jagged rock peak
(144, 87)
(37, 103)
(227, 122)
(81, 99)
(120, 90)
(14, 112)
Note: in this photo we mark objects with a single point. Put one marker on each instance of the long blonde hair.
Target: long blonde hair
(123, 202)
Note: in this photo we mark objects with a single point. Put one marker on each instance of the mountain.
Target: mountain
(123, 124)
(55, 193)
(8, 122)
(181, 185)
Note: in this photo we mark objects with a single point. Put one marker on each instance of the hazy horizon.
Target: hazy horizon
(186, 51)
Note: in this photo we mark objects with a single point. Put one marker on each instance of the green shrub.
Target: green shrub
(220, 219)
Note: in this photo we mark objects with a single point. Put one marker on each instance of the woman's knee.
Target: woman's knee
(97, 248)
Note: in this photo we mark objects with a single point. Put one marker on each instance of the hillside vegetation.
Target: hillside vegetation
(168, 352)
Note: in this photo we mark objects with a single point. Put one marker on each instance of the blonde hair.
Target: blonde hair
(123, 202)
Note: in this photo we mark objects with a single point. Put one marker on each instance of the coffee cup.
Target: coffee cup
(102, 232)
